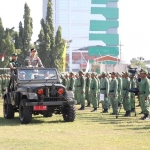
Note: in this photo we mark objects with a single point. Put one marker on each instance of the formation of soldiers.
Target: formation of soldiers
(111, 89)
(4, 80)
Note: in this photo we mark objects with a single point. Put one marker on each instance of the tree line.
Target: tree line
(49, 45)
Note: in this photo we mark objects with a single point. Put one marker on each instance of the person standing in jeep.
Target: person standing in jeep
(34, 60)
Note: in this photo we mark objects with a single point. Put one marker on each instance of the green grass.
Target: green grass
(90, 131)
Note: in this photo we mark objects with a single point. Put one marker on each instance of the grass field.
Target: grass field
(90, 131)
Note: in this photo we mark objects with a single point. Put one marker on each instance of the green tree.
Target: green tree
(49, 22)
(27, 34)
(59, 48)
(138, 63)
(8, 48)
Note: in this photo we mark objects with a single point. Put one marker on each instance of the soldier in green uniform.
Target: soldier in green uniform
(113, 93)
(76, 89)
(93, 91)
(67, 80)
(87, 88)
(81, 90)
(4, 83)
(71, 82)
(126, 85)
(14, 62)
(119, 79)
(144, 92)
(104, 89)
(0, 86)
(133, 85)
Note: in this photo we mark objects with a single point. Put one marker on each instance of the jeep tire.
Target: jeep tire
(25, 112)
(8, 110)
(69, 113)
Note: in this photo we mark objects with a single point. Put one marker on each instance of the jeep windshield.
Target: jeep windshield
(37, 74)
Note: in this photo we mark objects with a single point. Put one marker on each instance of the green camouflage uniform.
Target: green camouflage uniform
(87, 90)
(71, 83)
(133, 85)
(93, 93)
(126, 95)
(104, 89)
(76, 91)
(113, 95)
(81, 91)
(144, 89)
(119, 79)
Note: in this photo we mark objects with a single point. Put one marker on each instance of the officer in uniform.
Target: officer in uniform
(133, 85)
(35, 61)
(76, 89)
(113, 93)
(93, 91)
(81, 89)
(104, 89)
(126, 85)
(14, 63)
(87, 88)
(71, 82)
(144, 92)
(119, 79)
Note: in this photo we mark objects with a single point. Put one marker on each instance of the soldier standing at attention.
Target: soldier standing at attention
(104, 89)
(119, 79)
(87, 89)
(93, 92)
(133, 85)
(126, 85)
(76, 89)
(144, 92)
(71, 82)
(81, 90)
(113, 93)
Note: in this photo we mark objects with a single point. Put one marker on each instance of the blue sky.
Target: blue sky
(134, 23)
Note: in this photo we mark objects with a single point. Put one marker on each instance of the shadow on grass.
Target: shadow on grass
(35, 120)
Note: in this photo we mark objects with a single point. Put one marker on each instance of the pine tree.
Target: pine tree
(59, 48)
(49, 20)
(27, 31)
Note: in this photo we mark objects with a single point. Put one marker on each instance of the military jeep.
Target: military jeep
(34, 91)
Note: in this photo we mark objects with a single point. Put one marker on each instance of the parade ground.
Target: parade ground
(90, 131)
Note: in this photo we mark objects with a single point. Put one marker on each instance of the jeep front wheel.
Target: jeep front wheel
(69, 113)
(25, 113)
(8, 110)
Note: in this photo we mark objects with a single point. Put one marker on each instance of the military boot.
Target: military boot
(94, 110)
(82, 108)
(145, 117)
(88, 105)
(125, 115)
(132, 109)
(105, 111)
(128, 113)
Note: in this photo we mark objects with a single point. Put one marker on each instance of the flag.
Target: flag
(64, 56)
(2, 57)
(87, 67)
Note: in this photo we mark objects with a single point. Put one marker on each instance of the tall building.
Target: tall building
(88, 23)
(104, 30)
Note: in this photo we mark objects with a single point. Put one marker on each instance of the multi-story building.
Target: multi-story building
(88, 23)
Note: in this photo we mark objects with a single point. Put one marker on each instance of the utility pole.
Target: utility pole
(120, 49)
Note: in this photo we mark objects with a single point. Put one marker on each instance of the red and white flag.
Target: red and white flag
(2, 57)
